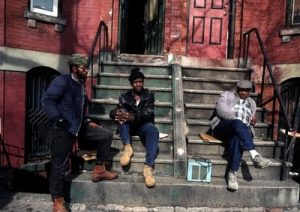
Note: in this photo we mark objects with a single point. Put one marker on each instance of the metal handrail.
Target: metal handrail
(102, 27)
(277, 96)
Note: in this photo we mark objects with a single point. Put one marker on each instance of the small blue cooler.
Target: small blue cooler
(199, 169)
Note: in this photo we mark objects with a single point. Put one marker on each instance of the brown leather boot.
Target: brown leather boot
(59, 205)
(148, 176)
(100, 173)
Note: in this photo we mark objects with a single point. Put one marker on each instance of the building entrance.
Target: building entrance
(141, 26)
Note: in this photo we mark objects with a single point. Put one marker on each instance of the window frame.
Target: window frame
(290, 14)
(55, 12)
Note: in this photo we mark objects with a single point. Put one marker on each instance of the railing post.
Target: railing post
(180, 150)
(262, 84)
(273, 115)
(284, 168)
(277, 94)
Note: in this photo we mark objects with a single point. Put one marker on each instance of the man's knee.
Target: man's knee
(238, 124)
(151, 128)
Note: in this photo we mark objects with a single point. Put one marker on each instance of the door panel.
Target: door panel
(208, 26)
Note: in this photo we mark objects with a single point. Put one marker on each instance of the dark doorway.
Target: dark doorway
(291, 97)
(141, 26)
(37, 145)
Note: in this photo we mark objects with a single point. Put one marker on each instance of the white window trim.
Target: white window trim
(293, 13)
(45, 12)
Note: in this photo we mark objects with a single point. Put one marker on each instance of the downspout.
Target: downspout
(231, 26)
(241, 32)
(111, 25)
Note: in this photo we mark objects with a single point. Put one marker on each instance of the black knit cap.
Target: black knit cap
(135, 74)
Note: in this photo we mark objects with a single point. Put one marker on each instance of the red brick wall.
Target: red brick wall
(82, 23)
(175, 27)
(269, 18)
(13, 114)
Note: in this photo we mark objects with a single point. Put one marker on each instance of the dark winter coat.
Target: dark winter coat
(66, 99)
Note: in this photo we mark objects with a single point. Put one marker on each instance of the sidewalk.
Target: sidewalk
(34, 202)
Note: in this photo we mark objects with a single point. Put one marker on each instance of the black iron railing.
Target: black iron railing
(277, 97)
(101, 37)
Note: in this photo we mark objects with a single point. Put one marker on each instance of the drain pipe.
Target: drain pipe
(231, 37)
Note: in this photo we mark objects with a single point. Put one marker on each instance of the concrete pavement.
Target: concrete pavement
(35, 202)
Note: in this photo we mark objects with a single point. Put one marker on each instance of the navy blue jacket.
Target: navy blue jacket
(66, 99)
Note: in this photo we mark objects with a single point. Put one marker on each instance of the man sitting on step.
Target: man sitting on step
(135, 116)
(234, 124)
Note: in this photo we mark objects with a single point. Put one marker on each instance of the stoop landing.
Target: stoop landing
(129, 190)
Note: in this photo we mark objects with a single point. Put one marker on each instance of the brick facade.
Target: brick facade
(269, 18)
(13, 114)
(83, 18)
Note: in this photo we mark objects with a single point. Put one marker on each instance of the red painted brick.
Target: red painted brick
(14, 115)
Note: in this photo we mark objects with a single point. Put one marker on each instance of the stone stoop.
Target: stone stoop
(129, 190)
(182, 119)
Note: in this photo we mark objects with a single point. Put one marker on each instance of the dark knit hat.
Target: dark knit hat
(77, 60)
(244, 84)
(135, 74)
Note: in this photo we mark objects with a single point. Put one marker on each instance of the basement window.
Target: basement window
(46, 7)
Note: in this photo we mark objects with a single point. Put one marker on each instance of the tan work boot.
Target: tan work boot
(59, 205)
(148, 176)
(100, 173)
(127, 154)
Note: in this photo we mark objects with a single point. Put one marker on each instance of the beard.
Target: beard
(138, 92)
(82, 77)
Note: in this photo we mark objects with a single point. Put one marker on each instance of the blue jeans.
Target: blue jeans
(238, 138)
(149, 136)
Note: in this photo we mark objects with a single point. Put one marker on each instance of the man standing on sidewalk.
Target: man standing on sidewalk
(135, 116)
(65, 103)
(234, 125)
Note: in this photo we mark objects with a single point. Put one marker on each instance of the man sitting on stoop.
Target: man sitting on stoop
(135, 116)
(233, 124)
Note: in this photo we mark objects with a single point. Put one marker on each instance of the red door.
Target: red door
(208, 27)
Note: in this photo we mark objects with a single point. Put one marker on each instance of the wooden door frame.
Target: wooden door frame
(231, 28)
(119, 42)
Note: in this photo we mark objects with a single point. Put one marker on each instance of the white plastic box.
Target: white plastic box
(199, 170)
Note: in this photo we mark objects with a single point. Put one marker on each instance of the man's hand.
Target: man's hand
(93, 125)
(253, 121)
(124, 116)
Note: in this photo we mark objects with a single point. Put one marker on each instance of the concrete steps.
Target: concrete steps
(182, 119)
(129, 190)
(164, 124)
(195, 145)
(262, 130)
